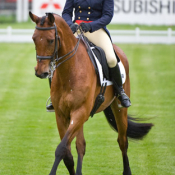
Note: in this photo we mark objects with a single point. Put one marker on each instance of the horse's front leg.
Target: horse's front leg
(81, 146)
(67, 157)
(122, 124)
(69, 162)
(62, 152)
(78, 118)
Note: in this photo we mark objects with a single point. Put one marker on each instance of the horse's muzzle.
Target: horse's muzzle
(43, 75)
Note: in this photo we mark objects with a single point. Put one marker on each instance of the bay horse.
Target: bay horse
(74, 89)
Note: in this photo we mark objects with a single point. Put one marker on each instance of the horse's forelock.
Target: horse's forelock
(44, 17)
(42, 20)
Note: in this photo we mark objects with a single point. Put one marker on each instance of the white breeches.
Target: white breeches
(100, 38)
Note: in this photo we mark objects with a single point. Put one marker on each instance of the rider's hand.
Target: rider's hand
(74, 28)
(86, 27)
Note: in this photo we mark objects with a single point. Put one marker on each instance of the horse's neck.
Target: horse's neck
(68, 43)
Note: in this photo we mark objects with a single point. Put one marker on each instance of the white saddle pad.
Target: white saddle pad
(101, 76)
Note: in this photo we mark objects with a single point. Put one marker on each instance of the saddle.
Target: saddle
(98, 58)
(100, 55)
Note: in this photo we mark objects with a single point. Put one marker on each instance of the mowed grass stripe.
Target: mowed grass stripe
(28, 135)
(22, 113)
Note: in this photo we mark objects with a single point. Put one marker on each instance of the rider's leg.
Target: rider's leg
(117, 80)
(101, 39)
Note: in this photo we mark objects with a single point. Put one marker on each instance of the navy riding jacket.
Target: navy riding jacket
(100, 12)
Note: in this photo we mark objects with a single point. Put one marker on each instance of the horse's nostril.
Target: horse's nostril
(45, 74)
(37, 74)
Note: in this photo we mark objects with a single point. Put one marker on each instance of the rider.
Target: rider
(93, 16)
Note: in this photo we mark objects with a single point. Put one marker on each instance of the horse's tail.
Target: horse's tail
(134, 131)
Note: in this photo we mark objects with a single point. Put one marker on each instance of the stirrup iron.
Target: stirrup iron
(47, 104)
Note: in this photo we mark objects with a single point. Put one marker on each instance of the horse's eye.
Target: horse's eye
(51, 41)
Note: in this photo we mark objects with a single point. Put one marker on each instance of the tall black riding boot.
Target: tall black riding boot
(50, 107)
(117, 81)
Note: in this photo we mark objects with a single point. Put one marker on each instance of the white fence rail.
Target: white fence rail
(143, 36)
(118, 36)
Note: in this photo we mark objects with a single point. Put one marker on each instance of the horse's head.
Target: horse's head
(46, 43)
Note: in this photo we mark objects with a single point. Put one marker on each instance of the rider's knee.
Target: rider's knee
(112, 62)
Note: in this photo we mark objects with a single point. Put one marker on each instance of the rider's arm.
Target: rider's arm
(68, 12)
(107, 14)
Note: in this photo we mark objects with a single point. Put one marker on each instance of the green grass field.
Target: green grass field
(29, 136)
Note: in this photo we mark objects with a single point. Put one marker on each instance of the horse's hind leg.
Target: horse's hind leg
(122, 124)
(80, 145)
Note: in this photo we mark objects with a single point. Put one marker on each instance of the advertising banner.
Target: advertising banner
(40, 7)
(148, 12)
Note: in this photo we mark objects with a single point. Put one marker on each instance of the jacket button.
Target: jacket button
(87, 18)
(79, 7)
(89, 13)
(78, 17)
(80, 11)
(89, 7)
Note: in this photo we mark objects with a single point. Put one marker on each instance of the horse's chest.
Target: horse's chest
(71, 100)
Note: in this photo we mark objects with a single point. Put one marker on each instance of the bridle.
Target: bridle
(55, 53)
(57, 38)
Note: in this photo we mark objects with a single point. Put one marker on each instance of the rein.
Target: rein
(74, 50)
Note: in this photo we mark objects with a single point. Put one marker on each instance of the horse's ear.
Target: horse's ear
(33, 17)
(51, 18)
